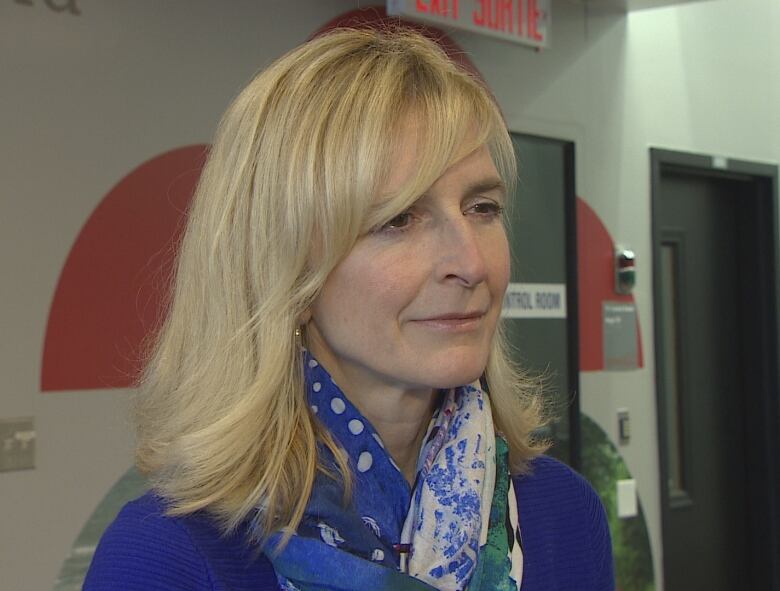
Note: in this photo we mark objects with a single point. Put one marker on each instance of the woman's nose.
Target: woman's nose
(462, 253)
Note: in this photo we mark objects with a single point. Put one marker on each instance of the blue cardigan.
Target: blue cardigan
(566, 544)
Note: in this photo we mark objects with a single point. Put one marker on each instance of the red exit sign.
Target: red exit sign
(519, 21)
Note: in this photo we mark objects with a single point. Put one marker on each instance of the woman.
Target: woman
(316, 412)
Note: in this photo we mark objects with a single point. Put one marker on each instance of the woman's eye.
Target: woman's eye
(399, 222)
(486, 208)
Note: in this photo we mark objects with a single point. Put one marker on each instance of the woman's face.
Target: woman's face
(415, 304)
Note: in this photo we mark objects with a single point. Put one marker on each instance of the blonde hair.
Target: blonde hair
(222, 419)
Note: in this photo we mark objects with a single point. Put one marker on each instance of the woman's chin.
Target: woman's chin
(452, 377)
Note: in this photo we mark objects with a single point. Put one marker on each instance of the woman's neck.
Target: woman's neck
(400, 417)
(401, 421)
(400, 414)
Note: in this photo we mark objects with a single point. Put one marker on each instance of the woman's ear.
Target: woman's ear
(306, 316)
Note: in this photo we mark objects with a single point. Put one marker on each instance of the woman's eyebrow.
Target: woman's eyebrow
(482, 186)
(485, 186)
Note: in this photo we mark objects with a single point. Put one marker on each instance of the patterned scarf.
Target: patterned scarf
(456, 529)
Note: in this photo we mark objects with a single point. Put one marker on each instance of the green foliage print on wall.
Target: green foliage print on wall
(603, 466)
(127, 488)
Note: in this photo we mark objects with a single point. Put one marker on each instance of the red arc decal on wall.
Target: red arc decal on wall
(111, 292)
(112, 289)
(596, 285)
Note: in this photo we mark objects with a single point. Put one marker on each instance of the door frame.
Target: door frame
(762, 426)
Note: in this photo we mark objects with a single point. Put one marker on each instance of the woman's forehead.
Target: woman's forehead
(414, 150)
(469, 176)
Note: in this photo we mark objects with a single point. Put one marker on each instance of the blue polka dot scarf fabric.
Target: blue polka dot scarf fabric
(455, 530)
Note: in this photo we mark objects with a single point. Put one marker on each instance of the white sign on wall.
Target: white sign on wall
(518, 21)
(535, 300)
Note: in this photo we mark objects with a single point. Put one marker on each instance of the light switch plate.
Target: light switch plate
(17, 444)
(624, 426)
(626, 498)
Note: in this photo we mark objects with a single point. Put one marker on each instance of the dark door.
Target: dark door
(714, 307)
(542, 236)
(705, 537)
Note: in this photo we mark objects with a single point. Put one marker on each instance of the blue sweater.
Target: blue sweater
(566, 544)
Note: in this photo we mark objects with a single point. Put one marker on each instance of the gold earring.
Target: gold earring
(298, 332)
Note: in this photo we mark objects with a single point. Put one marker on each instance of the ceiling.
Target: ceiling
(631, 5)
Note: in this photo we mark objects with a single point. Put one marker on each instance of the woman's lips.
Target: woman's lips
(455, 322)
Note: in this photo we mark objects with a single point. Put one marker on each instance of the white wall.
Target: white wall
(84, 99)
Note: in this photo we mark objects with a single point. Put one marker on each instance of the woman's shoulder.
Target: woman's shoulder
(554, 494)
(551, 481)
(145, 548)
(564, 529)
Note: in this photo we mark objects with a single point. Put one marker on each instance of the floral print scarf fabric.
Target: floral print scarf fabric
(455, 530)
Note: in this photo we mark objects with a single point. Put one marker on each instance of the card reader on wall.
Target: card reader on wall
(625, 271)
